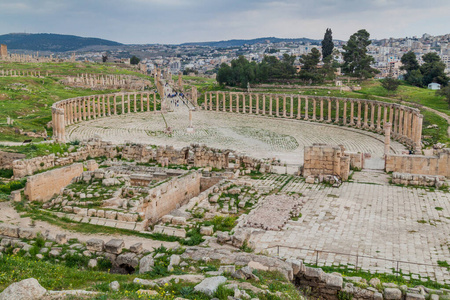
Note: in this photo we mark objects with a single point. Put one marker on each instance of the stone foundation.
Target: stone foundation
(43, 187)
(324, 160)
(419, 164)
(418, 180)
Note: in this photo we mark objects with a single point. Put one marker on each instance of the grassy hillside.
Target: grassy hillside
(27, 100)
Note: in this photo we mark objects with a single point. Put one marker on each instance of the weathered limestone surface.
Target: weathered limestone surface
(39, 189)
(326, 160)
(419, 164)
(171, 195)
(7, 158)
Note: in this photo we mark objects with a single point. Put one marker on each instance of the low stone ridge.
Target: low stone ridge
(28, 289)
(210, 285)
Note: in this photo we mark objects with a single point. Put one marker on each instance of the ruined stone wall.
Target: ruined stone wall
(325, 160)
(42, 187)
(419, 164)
(356, 160)
(92, 148)
(171, 195)
(7, 158)
(418, 180)
(199, 156)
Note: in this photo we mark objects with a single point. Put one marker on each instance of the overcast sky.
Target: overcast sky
(178, 21)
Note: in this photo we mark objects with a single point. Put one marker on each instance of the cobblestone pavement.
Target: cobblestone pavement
(367, 217)
(261, 137)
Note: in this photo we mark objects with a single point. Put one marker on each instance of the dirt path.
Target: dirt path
(10, 216)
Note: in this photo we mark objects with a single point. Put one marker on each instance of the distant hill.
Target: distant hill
(51, 42)
(238, 43)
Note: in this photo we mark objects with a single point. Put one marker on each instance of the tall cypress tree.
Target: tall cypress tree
(327, 44)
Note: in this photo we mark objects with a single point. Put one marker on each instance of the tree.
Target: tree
(445, 91)
(134, 60)
(390, 83)
(356, 61)
(327, 44)
(409, 62)
(309, 69)
(433, 70)
(413, 75)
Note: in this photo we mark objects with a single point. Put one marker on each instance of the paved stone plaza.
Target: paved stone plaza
(365, 217)
(261, 137)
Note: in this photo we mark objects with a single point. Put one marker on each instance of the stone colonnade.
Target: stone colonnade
(74, 110)
(20, 73)
(363, 114)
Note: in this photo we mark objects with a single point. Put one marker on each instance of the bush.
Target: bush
(76, 261)
(6, 173)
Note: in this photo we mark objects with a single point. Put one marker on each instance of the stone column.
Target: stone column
(345, 113)
(352, 109)
(154, 102)
(270, 105)
(231, 102)
(387, 138)
(115, 104)
(244, 109)
(99, 107)
(292, 107)
(329, 110)
(109, 105)
(224, 97)
(314, 109)
(142, 102)
(358, 124)
(84, 108)
(210, 101)
(94, 108)
(264, 104)
(257, 104)
(206, 101)
(299, 107)
(366, 115)
(385, 114)
(284, 106)
(400, 123)
(135, 102)
(396, 120)
(128, 104)
(321, 110)
(372, 116)
(62, 127)
(104, 105)
(123, 103)
(306, 109)
(89, 116)
(54, 123)
(250, 104)
(217, 101)
(379, 118)
(418, 135)
(277, 105)
(336, 120)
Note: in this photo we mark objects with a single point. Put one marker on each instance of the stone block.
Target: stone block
(61, 238)
(136, 248)
(95, 245)
(114, 246)
(414, 296)
(27, 233)
(392, 294)
(314, 273)
(179, 221)
(207, 230)
(16, 196)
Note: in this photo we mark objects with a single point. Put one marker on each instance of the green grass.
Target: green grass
(28, 100)
(34, 150)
